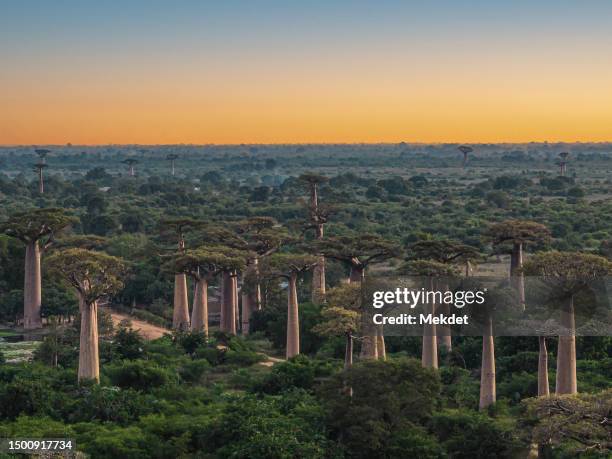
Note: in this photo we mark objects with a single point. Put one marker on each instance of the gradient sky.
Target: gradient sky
(92, 72)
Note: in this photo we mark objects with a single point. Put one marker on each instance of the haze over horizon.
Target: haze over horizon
(323, 72)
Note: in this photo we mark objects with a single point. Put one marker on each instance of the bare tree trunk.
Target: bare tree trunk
(543, 389)
(199, 313)
(180, 316)
(293, 320)
(381, 349)
(236, 303)
(89, 361)
(32, 287)
(444, 331)
(228, 305)
(429, 353)
(246, 311)
(172, 168)
(318, 273)
(566, 353)
(348, 351)
(357, 274)
(517, 277)
(41, 183)
(487, 368)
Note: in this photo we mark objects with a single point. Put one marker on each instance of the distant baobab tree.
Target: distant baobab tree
(172, 157)
(39, 166)
(563, 163)
(130, 162)
(318, 216)
(466, 151)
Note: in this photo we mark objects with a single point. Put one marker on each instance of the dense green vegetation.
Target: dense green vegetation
(189, 395)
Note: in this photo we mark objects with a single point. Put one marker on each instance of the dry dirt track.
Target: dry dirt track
(147, 330)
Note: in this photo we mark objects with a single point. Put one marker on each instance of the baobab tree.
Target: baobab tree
(37, 229)
(259, 237)
(513, 236)
(176, 228)
(172, 157)
(341, 316)
(93, 275)
(563, 163)
(567, 274)
(317, 217)
(203, 264)
(432, 271)
(358, 252)
(450, 253)
(131, 162)
(465, 150)
(290, 267)
(40, 166)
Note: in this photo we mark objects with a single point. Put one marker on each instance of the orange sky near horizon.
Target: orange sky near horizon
(484, 84)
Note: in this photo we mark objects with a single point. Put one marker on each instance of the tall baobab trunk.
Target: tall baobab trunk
(543, 389)
(444, 331)
(318, 273)
(180, 316)
(429, 353)
(348, 351)
(236, 303)
(172, 163)
(566, 353)
(199, 314)
(487, 368)
(465, 159)
(369, 342)
(516, 274)
(131, 171)
(381, 349)
(357, 274)
(293, 319)
(246, 311)
(89, 361)
(32, 287)
(228, 304)
(41, 183)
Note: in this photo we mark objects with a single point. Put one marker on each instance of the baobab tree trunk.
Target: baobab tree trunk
(246, 311)
(228, 304)
(381, 350)
(318, 273)
(41, 183)
(172, 162)
(293, 320)
(348, 351)
(487, 368)
(180, 316)
(516, 274)
(32, 287)
(444, 331)
(429, 353)
(199, 314)
(131, 171)
(89, 361)
(357, 274)
(236, 303)
(566, 353)
(543, 389)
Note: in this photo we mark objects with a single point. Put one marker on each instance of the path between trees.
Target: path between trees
(151, 332)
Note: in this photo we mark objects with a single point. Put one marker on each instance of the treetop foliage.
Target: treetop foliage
(92, 274)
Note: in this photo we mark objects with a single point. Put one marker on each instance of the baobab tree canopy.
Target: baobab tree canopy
(518, 232)
(428, 268)
(443, 251)
(285, 264)
(358, 250)
(206, 261)
(37, 224)
(92, 274)
(569, 271)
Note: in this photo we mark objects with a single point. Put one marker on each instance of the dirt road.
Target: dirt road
(147, 330)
